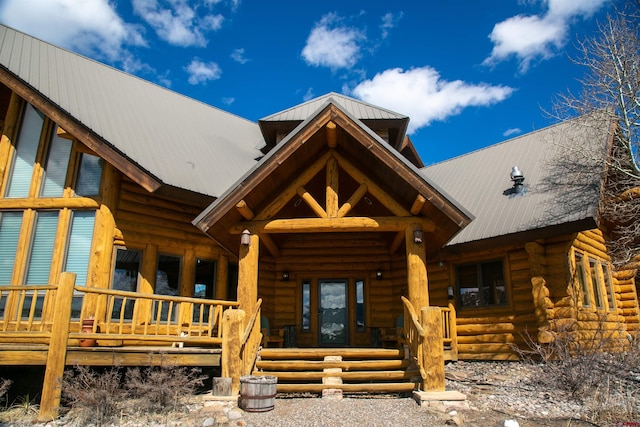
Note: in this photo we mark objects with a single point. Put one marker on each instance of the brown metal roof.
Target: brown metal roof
(562, 165)
(180, 141)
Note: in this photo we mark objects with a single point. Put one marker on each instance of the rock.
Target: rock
(234, 414)
(209, 422)
(511, 423)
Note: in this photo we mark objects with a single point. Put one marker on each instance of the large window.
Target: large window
(57, 166)
(481, 284)
(19, 181)
(39, 266)
(39, 166)
(593, 279)
(10, 223)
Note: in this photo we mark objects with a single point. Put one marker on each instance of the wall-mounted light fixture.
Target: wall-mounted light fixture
(285, 276)
(450, 292)
(417, 235)
(379, 274)
(245, 239)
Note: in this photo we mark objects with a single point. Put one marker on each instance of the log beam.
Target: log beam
(285, 196)
(418, 204)
(353, 200)
(245, 210)
(332, 188)
(377, 192)
(311, 202)
(327, 225)
(332, 136)
(222, 276)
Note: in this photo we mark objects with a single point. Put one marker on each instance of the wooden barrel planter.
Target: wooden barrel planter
(257, 393)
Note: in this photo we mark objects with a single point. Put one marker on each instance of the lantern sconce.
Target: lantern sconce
(450, 292)
(245, 239)
(417, 235)
(379, 274)
(285, 276)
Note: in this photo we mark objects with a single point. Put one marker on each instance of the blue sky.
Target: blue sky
(468, 73)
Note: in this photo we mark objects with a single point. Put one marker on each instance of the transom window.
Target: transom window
(481, 284)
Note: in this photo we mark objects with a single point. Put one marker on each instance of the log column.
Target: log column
(417, 283)
(222, 277)
(248, 275)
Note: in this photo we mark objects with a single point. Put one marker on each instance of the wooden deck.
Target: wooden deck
(36, 355)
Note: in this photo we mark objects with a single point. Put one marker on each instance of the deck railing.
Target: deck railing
(26, 315)
(425, 335)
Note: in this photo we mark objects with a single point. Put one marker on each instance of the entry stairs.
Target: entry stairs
(352, 370)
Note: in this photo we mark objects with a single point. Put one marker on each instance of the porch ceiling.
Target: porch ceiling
(369, 176)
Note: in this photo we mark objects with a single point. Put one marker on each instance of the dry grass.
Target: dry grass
(606, 382)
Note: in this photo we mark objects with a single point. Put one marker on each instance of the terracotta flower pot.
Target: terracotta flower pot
(87, 328)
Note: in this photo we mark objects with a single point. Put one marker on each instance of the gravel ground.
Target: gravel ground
(496, 392)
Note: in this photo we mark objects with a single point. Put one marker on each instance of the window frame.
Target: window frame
(479, 285)
(596, 296)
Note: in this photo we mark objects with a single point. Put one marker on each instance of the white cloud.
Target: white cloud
(538, 37)
(228, 100)
(333, 45)
(238, 56)
(201, 72)
(512, 131)
(308, 95)
(177, 22)
(422, 94)
(91, 27)
(389, 21)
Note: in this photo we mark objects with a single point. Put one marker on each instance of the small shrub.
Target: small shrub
(4, 388)
(605, 381)
(94, 395)
(162, 388)
(25, 406)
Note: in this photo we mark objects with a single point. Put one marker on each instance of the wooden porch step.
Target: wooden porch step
(345, 375)
(405, 387)
(318, 365)
(321, 353)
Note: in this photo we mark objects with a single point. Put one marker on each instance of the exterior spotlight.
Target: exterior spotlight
(285, 276)
(379, 274)
(417, 235)
(245, 239)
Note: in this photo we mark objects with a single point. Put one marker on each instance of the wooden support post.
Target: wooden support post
(232, 328)
(332, 138)
(248, 275)
(57, 355)
(418, 287)
(432, 349)
(332, 188)
(222, 277)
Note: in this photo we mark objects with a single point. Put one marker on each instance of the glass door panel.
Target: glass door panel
(332, 315)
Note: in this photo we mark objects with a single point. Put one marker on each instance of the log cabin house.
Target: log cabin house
(170, 228)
